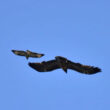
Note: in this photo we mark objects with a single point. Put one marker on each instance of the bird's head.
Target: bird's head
(28, 51)
(60, 58)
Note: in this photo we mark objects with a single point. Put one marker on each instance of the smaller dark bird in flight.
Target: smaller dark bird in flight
(64, 63)
(27, 53)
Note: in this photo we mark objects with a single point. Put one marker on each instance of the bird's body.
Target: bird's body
(65, 64)
(27, 53)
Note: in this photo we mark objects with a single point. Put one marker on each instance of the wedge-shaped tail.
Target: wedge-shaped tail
(63, 63)
(27, 53)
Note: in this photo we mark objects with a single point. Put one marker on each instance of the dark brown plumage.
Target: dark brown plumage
(45, 66)
(61, 62)
(27, 54)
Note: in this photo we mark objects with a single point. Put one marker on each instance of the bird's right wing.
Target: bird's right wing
(18, 52)
(45, 66)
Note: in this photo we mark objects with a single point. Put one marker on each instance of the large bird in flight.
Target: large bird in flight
(27, 53)
(65, 64)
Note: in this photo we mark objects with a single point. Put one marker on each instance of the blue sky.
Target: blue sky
(76, 29)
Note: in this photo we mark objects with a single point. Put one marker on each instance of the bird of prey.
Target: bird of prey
(27, 53)
(63, 63)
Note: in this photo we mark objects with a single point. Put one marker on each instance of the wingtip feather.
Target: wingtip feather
(96, 70)
(13, 51)
(30, 64)
(42, 54)
(93, 71)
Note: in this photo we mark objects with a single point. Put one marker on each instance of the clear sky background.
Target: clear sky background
(76, 29)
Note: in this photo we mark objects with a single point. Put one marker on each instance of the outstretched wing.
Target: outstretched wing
(45, 66)
(36, 55)
(83, 68)
(21, 53)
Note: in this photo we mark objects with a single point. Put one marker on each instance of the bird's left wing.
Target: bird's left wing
(83, 68)
(36, 55)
